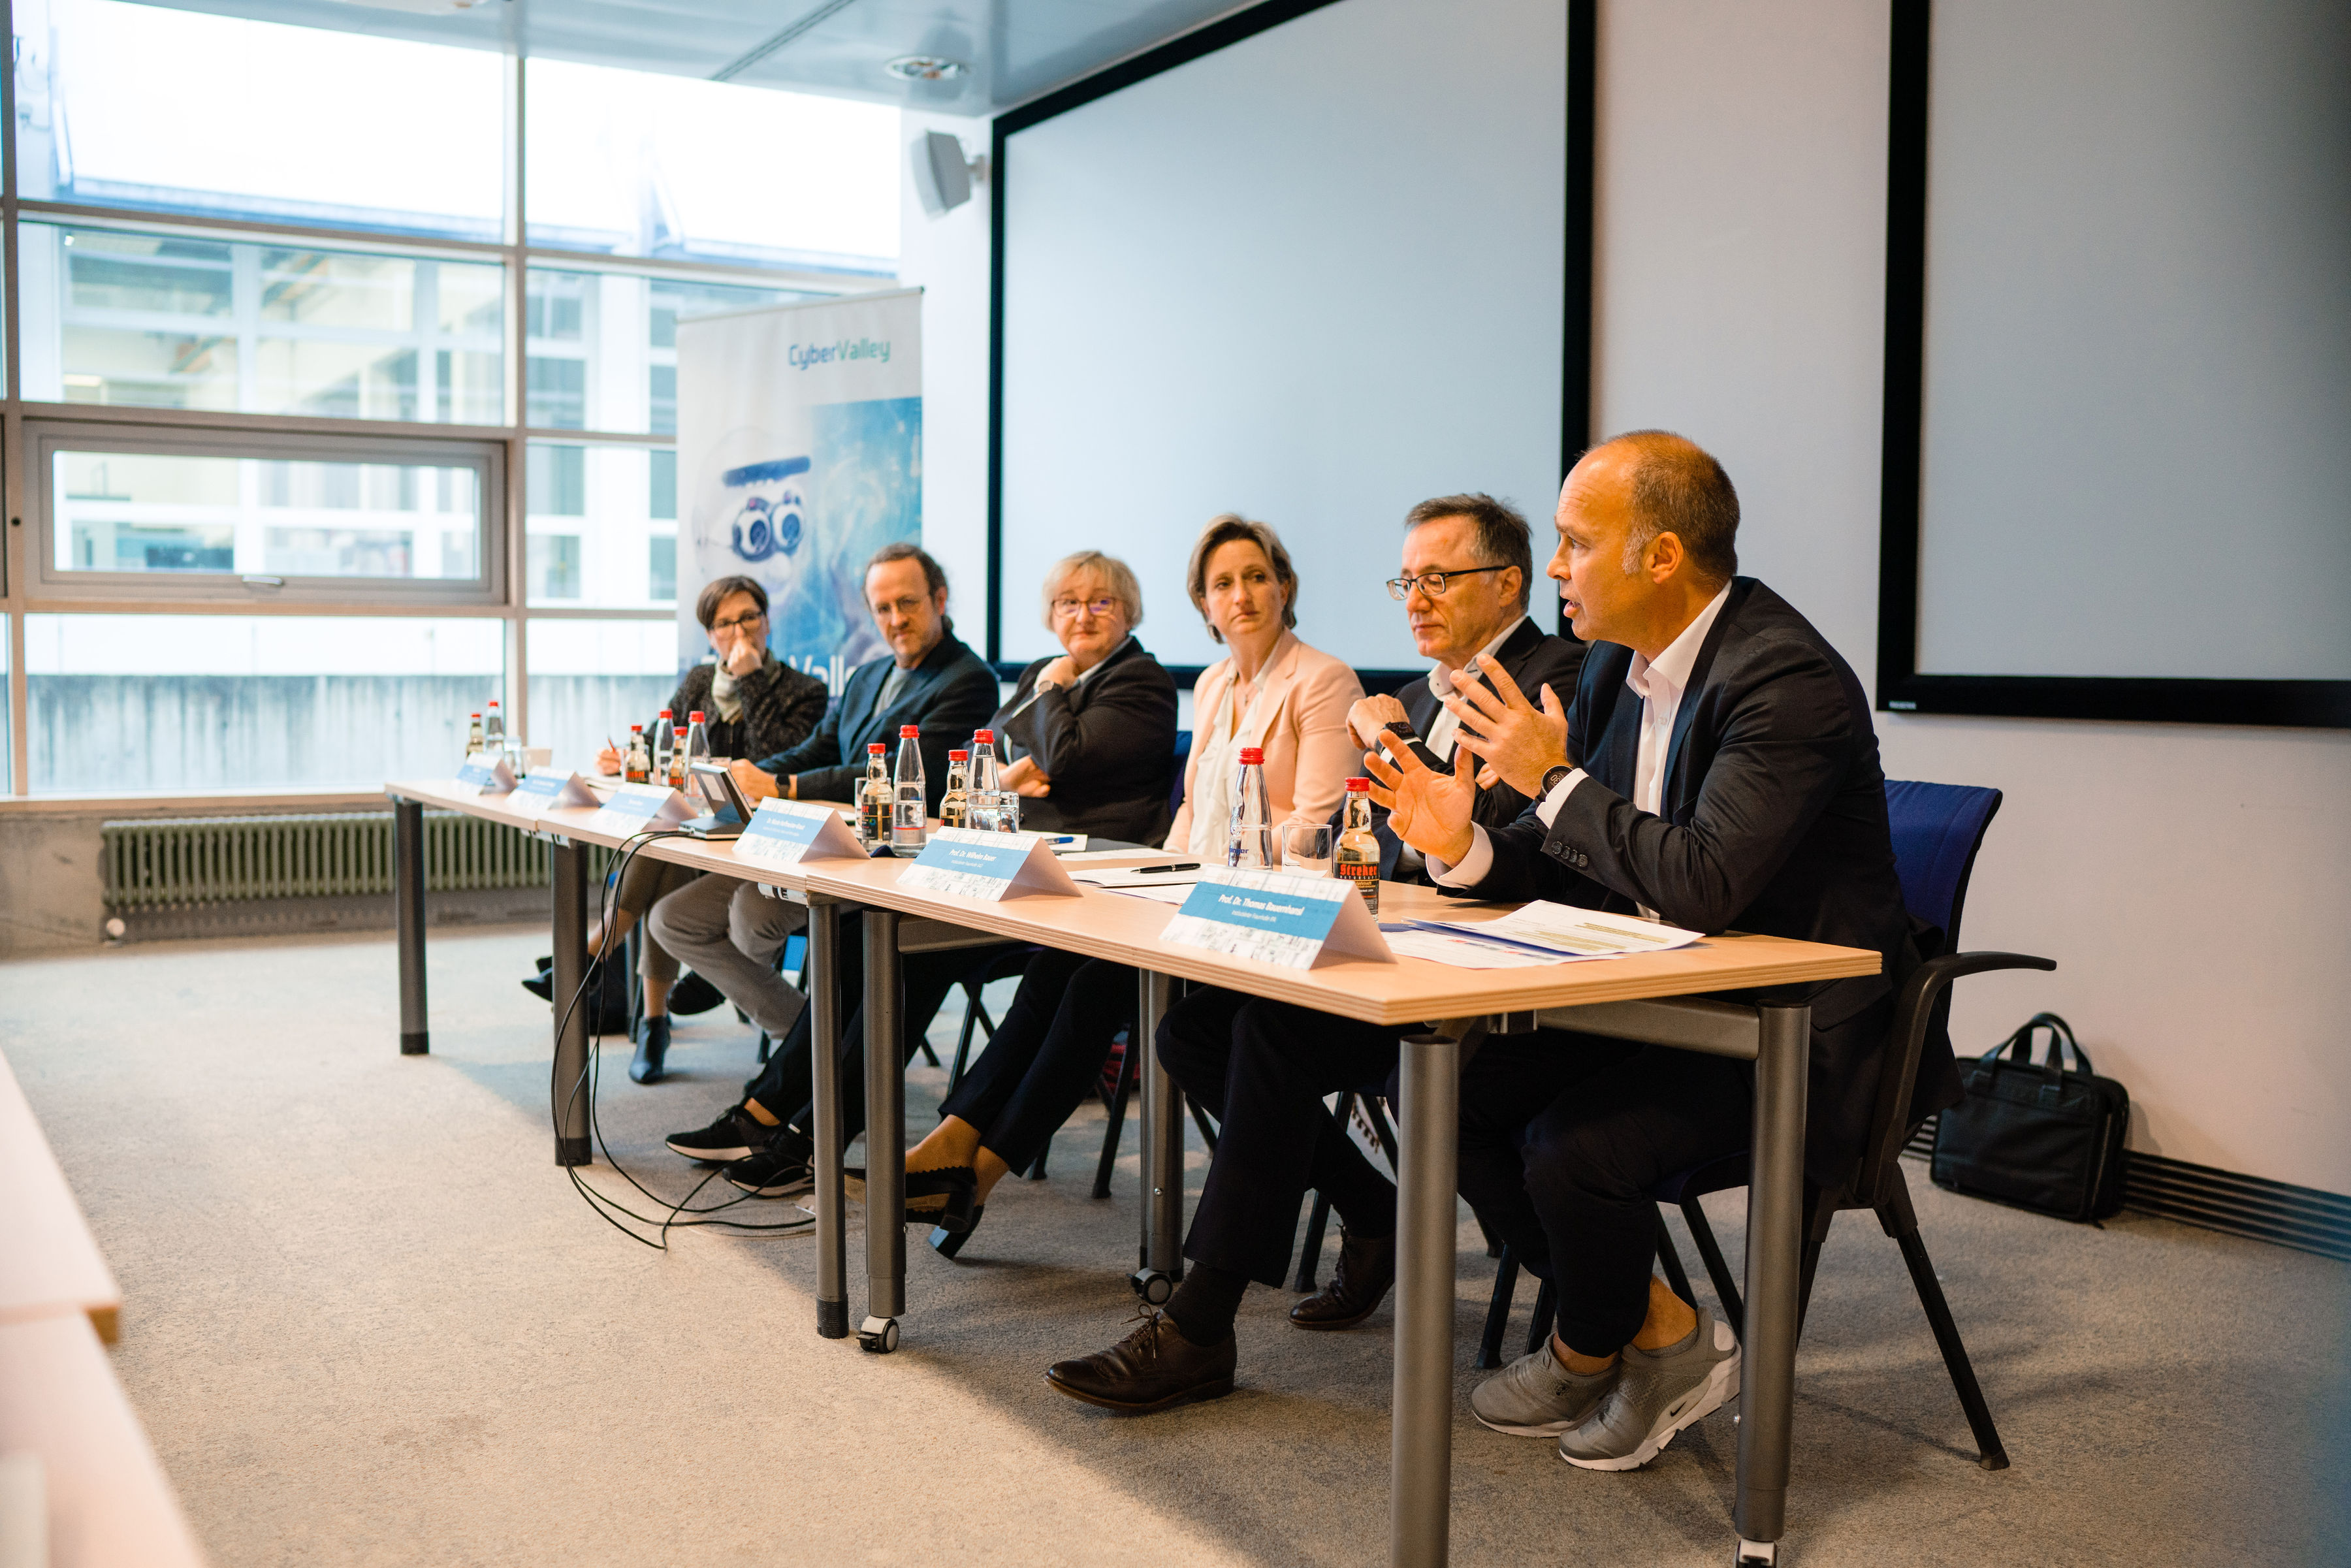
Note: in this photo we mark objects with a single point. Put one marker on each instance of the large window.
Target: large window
(317, 428)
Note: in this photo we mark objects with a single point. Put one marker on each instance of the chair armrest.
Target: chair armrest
(1914, 1011)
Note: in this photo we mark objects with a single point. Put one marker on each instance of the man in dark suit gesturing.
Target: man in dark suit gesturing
(1728, 777)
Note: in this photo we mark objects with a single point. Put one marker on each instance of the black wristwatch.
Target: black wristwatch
(1551, 779)
(1419, 747)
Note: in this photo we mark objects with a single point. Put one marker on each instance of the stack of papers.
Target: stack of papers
(1537, 933)
(1161, 883)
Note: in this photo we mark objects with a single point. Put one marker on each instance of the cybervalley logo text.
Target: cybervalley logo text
(808, 356)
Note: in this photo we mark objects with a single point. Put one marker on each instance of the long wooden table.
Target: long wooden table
(1654, 997)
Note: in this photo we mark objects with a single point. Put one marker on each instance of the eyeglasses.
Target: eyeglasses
(1433, 583)
(1065, 608)
(739, 622)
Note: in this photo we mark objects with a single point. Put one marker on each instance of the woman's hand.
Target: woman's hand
(608, 761)
(746, 654)
(1025, 777)
(1061, 671)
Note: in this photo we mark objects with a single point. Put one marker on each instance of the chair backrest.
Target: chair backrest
(1176, 785)
(1937, 828)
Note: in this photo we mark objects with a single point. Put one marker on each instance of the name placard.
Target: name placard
(544, 791)
(486, 773)
(1276, 917)
(785, 832)
(985, 866)
(634, 808)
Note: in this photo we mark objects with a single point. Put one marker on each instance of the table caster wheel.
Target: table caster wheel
(1153, 1286)
(878, 1336)
(1755, 1554)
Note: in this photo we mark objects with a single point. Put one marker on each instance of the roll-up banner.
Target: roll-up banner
(799, 440)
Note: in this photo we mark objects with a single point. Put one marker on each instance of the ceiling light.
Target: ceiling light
(924, 68)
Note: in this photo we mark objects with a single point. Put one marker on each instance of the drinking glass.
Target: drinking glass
(1306, 849)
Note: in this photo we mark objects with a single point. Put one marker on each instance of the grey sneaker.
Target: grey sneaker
(1535, 1396)
(1657, 1394)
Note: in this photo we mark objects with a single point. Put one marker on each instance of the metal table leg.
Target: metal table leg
(1421, 1455)
(408, 920)
(1161, 1259)
(885, 1138)
(824, 1043)
(570, 1086)
(1775, 1204)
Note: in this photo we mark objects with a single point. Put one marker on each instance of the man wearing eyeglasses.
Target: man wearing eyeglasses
(1468, 568)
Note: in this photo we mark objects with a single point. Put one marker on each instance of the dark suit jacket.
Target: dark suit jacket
(781, 708)
(950, 693)
(1774, 822)
(1533, 658)
(1107, 744)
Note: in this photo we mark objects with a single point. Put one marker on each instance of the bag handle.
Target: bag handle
(2018, 1046)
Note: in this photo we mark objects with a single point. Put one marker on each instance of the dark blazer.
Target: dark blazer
(1533, 658)
(950, 693)
(781, 708)
(1774, 822)
(1107, 744)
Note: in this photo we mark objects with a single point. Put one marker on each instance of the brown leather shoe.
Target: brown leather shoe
(1154, 1369)
(1357, 1287)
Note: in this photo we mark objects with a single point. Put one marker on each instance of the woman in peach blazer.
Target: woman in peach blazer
(1273, 692)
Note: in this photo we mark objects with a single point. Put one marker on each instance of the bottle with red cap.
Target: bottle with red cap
(958, 792)
(695, 749)
(637, 763)
(1357, 856)
(874, 798)
(910, 793)
(982, 811)
(664, 743)
(1249, 844)
(474, 736)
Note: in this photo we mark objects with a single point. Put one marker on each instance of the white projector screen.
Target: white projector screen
(1312, 277)
(2137, 433)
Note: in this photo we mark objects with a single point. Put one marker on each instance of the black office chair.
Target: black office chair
(1937, 831)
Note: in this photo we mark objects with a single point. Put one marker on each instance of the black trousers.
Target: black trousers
(1563, 1135)
(786, 1087)
(1262, 1069)
(1046, 1054)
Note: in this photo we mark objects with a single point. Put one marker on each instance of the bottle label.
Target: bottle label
(1365, 877)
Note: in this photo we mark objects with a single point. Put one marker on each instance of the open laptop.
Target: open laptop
(725, 811)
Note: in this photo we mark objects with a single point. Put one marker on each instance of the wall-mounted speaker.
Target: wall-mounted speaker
(942, 175)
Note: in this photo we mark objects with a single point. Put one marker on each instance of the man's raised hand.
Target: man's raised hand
(1428, 810)
(1521, 741)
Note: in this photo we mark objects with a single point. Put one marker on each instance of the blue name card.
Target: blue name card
(545, 791)
(1276, 917)
(785, 832)
(486, 773)
(985, 866)
(634, 807)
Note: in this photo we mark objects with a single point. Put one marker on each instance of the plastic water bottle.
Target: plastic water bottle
(874, 798)
(637, 767)
(952, 803)
(1248, 846)
(493, 730)
(1357, 856)
(982, 811)
(906, 822)
(474, 736)
(664, 743)
(696, 749)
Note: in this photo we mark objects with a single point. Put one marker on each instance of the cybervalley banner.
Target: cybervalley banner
(799, 439)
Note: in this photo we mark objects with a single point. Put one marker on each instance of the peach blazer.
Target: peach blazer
(1301, 724)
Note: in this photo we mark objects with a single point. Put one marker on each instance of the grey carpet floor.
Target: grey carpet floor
(368, 1321)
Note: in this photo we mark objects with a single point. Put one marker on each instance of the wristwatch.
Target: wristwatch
(1551, 779)
(1410, 739)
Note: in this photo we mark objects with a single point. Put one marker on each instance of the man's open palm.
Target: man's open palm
(1428, 810)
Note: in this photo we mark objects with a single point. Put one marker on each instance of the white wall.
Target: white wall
(2194, 884)
(947, 258)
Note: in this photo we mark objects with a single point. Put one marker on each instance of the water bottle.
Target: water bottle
(637, 765)
(664, 742)
(1248, 846)
(982, 811)
(874, 798)
(1357, 856)
(906, 824)
(696, 748)
(474, 736)
(493, 730)
(958, 793)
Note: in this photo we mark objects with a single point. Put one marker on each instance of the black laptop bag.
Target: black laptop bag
(2035, 1134)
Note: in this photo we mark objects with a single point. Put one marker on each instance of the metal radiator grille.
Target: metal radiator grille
(176, 864)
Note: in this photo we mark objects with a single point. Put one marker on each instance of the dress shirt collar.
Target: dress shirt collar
(1440, 679)
(1664, 678)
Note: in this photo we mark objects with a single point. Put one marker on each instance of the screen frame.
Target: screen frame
(1575, 366)
(700, 774)
(1901, 686)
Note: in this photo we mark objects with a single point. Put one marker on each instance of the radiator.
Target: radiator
(176, 864)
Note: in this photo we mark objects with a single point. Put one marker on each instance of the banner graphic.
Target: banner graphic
(800, 454)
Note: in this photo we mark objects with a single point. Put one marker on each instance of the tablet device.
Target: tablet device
(725, 811)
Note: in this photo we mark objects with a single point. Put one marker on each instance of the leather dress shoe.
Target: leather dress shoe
(652, 1045)
(1360, 1283)
(943, 1197)
(1154, 1369)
